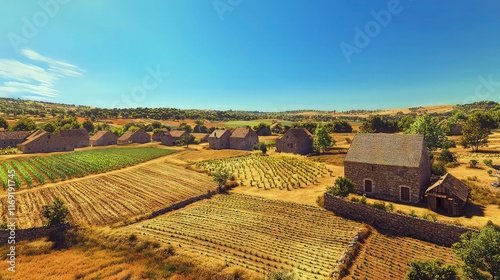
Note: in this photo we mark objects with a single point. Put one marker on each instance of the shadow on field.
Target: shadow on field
(473, 209)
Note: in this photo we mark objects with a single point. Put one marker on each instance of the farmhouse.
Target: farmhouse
(167, 139)
(219, 139)
(389, 166)
(448, 194)
(103, 138)
(12, 138)
(243, 139)
(79, 138)
(296, 140)
(157, 135)
(139, 136)
(42, 142)
(177, 135)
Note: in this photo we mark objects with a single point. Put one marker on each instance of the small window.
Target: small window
(405, 194)
(368, 186)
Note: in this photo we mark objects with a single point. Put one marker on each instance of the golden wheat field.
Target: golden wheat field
(113, 197)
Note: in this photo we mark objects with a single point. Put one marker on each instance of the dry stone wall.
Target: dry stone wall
(401, 225)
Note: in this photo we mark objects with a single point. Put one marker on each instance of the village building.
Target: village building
(79, 138)
(103, 138)
(296, 141)
(139, 136)
(167, 139)
(204, 139)
(12, 138)
(177, 135)
(219, 139)
(389, 166)
(157, 135)
(243, 139)
(43, 142)
(448, 194)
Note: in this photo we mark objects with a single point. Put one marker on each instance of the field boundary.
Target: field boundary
(400, 225)
(182, 204)
(30, 233)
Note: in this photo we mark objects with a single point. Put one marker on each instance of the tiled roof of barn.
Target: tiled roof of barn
(298, 133)
(218, 133)
(73, 133)
(99, 134)
(10, 135)
(126, 135)
(177, 133)
(240, 132)
(386, 149)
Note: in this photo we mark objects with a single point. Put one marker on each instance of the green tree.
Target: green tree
(430, 270)
(480, 253)
(55, 213)
(221, 176)
(187, 139)
(24, 123)
(342, 187)
(49, 127)
(156, 124)
(4, 123)
(474, 135)
(434, 134)
(322, 139)
(405, 122)
(261, 146)
(379, 124)
(88, 125)
(447, 156)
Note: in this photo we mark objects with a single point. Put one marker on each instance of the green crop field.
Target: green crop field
(38, 170)
(234, 124)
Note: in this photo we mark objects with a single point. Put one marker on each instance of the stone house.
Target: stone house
(103, 138)
(448, 194)
(389, 166)
(157, 136)
(139, 136)
(177, 135)
(43, 142)
(219, 139)
(243, 139)
(296, 141)
(167, 139)
(12, 138)
(79, 138)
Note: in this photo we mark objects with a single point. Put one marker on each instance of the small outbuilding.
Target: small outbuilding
(243, 139)
(219, 139)
(177, 135)
(103, 138)
(167, 139)
(139, 136)
(296, 141)
(12, 138)
(448, 194)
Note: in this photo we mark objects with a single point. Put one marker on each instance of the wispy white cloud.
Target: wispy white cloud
(22, 78)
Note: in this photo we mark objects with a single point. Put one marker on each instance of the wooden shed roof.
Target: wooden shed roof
(386, 149)
(455, 186)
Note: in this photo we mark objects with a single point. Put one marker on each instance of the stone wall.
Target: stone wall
(29, 233)
(401, 225)
(182, 204)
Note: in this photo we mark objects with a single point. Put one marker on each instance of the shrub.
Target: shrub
(55, 213)
(473, 163)
(354, 199)
(363, 199)
(488, 162)
(379, 205)
(390, 207)
(490, 172)
(342, 187)
(320, 201)
(446, 156)
(413, 214)
(430, 270)
(438, 169)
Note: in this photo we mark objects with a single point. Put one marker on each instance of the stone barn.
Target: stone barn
(448, 194)
(389, 166)
(167, 139)
(243, 139)
(43, 142)
(177, 135)
(219, 139)
(12, 138)
(139, 136)
(79, 138)
(157, 136)
(103, 138)
(296, 141)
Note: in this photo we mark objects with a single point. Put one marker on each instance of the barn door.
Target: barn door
(405, 194)
(368, 186)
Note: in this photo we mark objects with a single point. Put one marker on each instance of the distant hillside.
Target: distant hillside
(17, 107)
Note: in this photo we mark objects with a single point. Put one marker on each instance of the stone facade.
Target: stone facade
(296, 141)
(167, 139)
(448, 194)
(401, 225)
(139, 136)
(79, 138)
(12, 138)
(103, 138)
(219, 139)
(243, 139)
(389, 167)
(44, 142)
(177, 135)
(157, 136)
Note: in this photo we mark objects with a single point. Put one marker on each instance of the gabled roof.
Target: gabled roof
(241, 132)
(10, 135)
(218, 133)
(100, 134)
(126, 136)
(73, 133)
(298, 133)
(35, 136)
(177, 133)
(386, 149)
(454, 185)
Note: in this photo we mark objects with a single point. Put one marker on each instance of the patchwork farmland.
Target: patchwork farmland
(255, 233)
(270, 172)
(38, 170)
(113, 197)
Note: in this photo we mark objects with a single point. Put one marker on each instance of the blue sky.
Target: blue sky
(251, 54)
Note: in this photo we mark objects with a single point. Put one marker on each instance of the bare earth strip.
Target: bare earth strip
(115, 196)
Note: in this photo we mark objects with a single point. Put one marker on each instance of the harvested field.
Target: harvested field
(193, 156)
(113, 197)
(255, 233)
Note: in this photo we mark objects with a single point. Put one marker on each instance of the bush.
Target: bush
(473, 163)
(446, 156)
(342, 187)
(430, 270)
(379, 205)
(363, 199)
(438, 169)
(488, 162)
